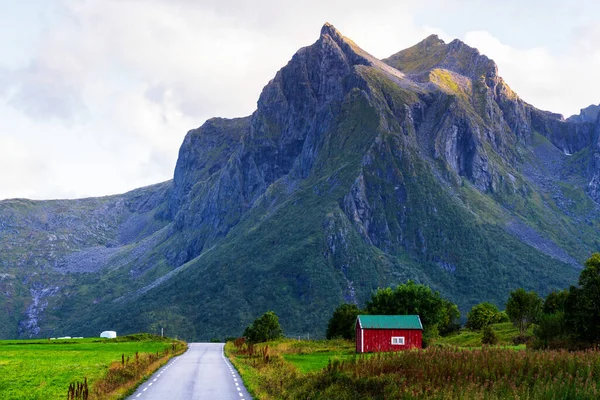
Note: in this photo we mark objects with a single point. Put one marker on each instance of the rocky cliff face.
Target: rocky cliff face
(353, 173)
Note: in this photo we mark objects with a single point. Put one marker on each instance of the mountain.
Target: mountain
(353, 173)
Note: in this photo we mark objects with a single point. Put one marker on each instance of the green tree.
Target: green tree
(342, 322)
(523, 308)
(449, 322)
(582, 308)
(555, 302)
(406, 299)
(264, 328)
(482, 315)
(551, 331)
(502, 317)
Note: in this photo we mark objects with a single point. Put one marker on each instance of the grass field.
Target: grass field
(314, 355)
(467, 338)
(43, 369)
(456, 367)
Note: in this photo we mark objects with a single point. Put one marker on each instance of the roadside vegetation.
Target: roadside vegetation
(536, 349)
(298, 370)
(103, 368)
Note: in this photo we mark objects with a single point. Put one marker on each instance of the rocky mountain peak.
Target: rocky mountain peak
(431, 40)
(433, 52)
(332, 38)
(588, 114)
(329, 29)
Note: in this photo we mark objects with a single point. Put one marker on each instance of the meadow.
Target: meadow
(505, 332)
(44, 369)
(289, 369)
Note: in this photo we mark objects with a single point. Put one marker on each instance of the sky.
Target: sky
(96, 96)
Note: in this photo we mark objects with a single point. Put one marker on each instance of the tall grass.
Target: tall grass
(436, 373)
(123, 376)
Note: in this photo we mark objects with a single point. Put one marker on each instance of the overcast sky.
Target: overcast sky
(97, 95)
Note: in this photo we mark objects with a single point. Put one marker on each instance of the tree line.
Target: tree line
(568, 318)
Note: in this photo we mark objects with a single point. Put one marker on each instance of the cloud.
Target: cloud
(562, 83)
(112, 87)
(44, 93)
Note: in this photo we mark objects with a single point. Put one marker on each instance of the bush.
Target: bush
(489, 336)
(482, 315)
(521, 339)
(342, 322)
(502, 317)
(264, 328)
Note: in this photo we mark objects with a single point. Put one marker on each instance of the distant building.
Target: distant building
(376, 333)
(109, 334)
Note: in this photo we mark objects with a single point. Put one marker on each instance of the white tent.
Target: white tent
(109, 334)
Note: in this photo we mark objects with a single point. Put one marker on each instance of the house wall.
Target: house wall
(376, 340)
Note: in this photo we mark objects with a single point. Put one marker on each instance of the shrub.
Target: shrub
(489, 336)
(482, 315)
(342, 322)
(264, 328)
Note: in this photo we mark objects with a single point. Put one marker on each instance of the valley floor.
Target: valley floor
(44, 369)
(291, 369)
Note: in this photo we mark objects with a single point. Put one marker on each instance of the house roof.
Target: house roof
(389, 322)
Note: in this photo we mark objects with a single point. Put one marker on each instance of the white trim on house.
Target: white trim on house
(362, 335)
(362, 340)
(398, 340)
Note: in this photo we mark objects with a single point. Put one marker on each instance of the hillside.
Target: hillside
(353, 173)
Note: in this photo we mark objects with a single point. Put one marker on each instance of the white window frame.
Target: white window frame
(398, 340)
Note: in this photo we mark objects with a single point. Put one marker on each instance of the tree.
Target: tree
(555, 302)
(523, 308)
(482, 315)
(409, 298)
(551, 331)
(582, 308)
(449, 322)
(342, 322)
(264, 328)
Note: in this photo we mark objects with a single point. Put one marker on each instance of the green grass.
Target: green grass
(315, 361)
(435, 373)
(313, 355)
(447, 82)
(467, 338)
(38, 369)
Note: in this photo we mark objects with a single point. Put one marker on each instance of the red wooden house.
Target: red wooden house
(375, 333)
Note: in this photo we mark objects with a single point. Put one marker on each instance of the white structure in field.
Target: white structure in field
(109, 334)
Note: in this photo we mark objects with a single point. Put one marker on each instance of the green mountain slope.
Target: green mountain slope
(353, 173)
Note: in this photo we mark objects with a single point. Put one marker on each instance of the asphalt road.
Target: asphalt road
(203, 372)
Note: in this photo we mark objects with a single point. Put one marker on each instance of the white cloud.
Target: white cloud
(112, 87)
(562, 84)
